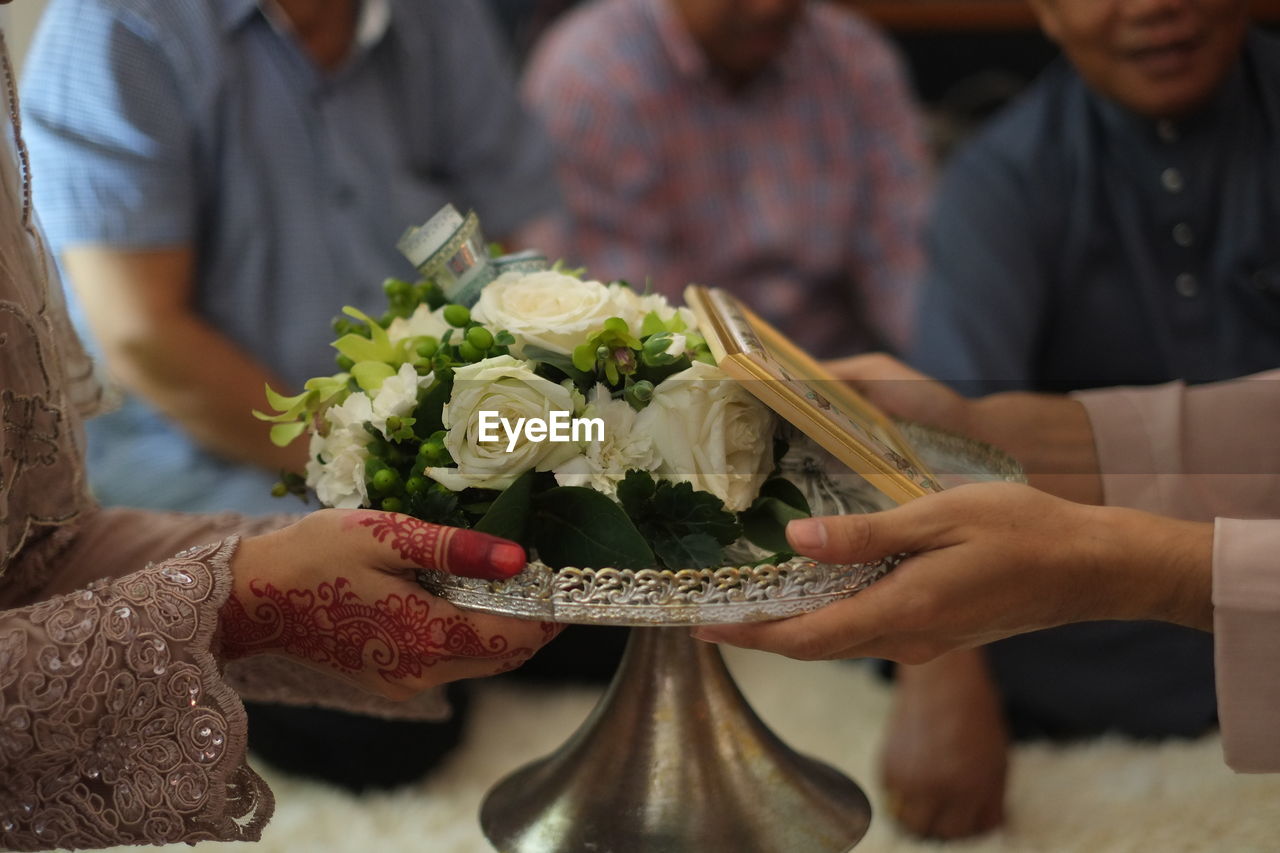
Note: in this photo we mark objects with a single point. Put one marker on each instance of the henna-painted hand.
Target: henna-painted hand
(336, 591)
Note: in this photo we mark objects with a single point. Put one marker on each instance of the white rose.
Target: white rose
(638, 307)
(547, 309)
(335, 469)
(712, 433)
(398, 396)
(604, 464)
(421, 323)
(509, 387)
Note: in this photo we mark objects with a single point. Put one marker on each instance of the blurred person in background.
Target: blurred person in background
(769, 147)
(1113, 226)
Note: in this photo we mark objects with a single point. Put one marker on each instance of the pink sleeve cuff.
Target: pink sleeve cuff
(1246, 623)
(1138, 436)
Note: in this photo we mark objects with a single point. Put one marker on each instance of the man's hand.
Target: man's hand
(989, 561)
(140, 308)
(336, 591)
(946, 751)
(1049, 435)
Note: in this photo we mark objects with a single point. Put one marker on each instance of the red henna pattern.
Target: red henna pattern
(468, 553)
(550, 630)
(331, 625)
(424, 544)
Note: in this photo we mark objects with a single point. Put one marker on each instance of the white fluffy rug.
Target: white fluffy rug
(1106, 797)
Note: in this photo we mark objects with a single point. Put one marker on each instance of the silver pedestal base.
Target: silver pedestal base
(673, 759)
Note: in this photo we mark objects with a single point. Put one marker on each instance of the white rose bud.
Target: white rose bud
(710, 432)
(547, 309)
(509, 387)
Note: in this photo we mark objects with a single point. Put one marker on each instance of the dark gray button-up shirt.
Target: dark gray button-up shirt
(1076, 245)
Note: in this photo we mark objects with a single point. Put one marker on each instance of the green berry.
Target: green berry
(457, 315)
(416, 485)
(386, 480)
(657, 344)
(480, 338)
(639, 394)
(392, 504)
(469, 353)
(396, 288)
(279, 490)
(427, 346)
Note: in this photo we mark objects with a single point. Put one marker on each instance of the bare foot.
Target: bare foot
(946, 750)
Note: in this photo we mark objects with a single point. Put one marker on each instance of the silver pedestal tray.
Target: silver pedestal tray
(673, 759)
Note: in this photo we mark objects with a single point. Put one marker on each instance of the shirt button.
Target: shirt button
(1186, 285)
(1183, 235)
(1167, 131)
(1172, 180)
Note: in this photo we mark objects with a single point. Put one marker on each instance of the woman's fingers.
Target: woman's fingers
(406, 541)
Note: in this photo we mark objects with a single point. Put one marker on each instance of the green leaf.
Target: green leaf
(765, 522)
(679, 507)
(370, 375)
(508, 516)
(278, 418)
(787, 492)
(326, 387)
(635, 491)
(584, 357)
(692, 551)
(359, 348)
(652, 325)
(575, 526)
(685, 527)
(429, 414)
(281, 403)
(284, 434)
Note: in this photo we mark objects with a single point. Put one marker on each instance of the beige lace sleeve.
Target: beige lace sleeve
(115, 724)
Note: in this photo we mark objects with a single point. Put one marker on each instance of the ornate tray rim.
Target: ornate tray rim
(745, 593)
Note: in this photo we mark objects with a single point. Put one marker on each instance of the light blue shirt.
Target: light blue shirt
(201, 123)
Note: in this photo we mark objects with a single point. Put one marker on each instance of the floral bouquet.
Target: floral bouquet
(584, 420)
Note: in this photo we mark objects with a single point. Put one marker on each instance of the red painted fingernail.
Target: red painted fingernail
(472, 554)
(507, 558)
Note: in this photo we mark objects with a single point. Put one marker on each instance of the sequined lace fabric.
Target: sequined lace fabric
(115, 723)
(118, 724)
